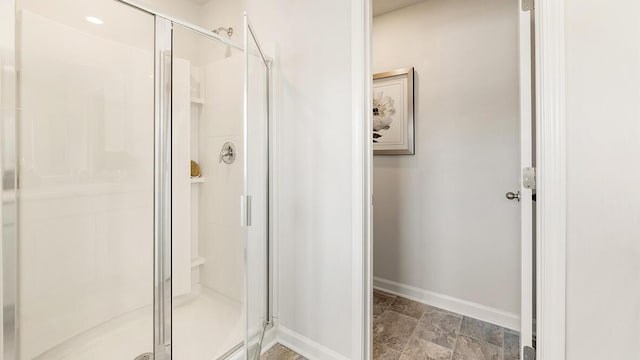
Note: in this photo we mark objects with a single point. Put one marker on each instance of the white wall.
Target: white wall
(441, 220)
(314, 143)
(183, 9)
(603, 134)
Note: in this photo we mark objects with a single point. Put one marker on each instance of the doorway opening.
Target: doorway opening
(453, 179)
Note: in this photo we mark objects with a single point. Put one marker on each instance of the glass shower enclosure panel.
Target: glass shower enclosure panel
(256, 192)
(207, 237)
(86, 180)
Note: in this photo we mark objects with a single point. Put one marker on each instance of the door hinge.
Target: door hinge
(529, 353)
(529, 178)
(527, 5)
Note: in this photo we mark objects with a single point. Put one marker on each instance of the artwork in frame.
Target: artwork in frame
(393, 113)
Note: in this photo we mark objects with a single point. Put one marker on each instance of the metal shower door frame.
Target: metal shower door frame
(162, 276)
(9, 113)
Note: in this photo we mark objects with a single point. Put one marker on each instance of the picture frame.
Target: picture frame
(393, 112)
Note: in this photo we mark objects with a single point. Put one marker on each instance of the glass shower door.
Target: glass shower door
(219, 262)
(220, 276)
(207, 250)
(256, 192)
(86, 180)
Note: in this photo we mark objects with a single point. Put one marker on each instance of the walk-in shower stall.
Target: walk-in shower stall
(135, 184)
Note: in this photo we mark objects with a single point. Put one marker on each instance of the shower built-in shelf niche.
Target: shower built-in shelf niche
(196, 97)
(186, 191)
(197, 101)
(197, 262)
(198, 180)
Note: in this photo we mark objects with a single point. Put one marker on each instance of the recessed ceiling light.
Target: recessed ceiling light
(94, 20)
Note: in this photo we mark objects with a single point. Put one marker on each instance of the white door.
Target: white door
(527, 179)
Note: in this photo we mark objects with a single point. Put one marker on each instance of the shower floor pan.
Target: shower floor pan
(205, 327)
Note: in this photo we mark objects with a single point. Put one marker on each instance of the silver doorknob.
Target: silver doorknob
(513, 195)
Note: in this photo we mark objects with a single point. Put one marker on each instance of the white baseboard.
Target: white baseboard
(463, 307)
(305, 346)
(315, 351)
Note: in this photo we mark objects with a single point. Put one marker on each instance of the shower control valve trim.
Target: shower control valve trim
(227, 153)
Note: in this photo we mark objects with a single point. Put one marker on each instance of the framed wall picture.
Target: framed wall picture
(393, 113)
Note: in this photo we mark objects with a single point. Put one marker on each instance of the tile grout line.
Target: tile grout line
(412, 333)
(414, 329)
(394, 297)
(385, 309)
(482, 340)
(455, 344)
(390, 303)
(502, 348)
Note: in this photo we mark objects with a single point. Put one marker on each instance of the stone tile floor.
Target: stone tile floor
(279, 352)
(408, 330)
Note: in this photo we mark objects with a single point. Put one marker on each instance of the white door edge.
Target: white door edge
(526, 161)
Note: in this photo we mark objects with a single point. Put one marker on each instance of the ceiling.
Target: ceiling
(379, 6)
(384, 6)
